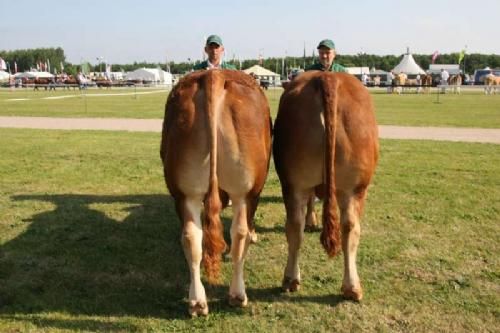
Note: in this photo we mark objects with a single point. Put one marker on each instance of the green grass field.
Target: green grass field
(89, 241)
(471, 109)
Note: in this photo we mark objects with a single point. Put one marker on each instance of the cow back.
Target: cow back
(299, 131)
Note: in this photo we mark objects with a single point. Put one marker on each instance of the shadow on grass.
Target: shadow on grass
(273, 295)
(78, 260)
(84, 259)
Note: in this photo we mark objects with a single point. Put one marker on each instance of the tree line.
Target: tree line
(56, 60)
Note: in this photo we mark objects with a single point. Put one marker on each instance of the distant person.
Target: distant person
(444, 79)
(326, 57)
(390, 82)
(82, 80)
(215, 51)
(444, 76)
(364, 79)
(418, 81)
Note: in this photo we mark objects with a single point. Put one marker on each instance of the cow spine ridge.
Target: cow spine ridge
(330, 235)
(213, 238)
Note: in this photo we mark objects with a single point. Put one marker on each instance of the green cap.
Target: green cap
(328, 43)
(214, 39)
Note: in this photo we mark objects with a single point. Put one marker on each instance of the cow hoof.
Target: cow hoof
(290, 285)
(352, 293)
(311, 228)
(238, 301)
(253, 237)
(198, 309)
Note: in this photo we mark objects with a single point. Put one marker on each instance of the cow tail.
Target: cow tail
(330, 235)
(213, 237)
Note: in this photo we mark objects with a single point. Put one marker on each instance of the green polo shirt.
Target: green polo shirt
(319, 67)
(204, 65)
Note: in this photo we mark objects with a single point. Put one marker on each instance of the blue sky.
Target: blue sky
(153, 30)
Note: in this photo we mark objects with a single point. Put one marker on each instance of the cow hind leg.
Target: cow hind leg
(311, 218)
(240, 240)
(192, 235)
(351, 206)
(295, 203)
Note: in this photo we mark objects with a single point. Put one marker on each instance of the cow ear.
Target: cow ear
(285, 84)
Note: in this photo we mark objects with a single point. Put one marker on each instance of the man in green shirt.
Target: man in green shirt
(326, 51)
(215, 52)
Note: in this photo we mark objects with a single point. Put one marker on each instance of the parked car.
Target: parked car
(479, 74)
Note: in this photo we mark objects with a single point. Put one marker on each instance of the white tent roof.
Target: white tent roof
(153, 74)
(44, 75)
(260, 71)
(4, 75)
(408, 66)
(357, 70)
(452, 69)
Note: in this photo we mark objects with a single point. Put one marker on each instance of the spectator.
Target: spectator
(215, 51)
(444, 79)
(326, 55)
(364, 79)
(390, 82)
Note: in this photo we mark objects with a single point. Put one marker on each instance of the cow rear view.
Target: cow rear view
(325, 144)
(216, 140)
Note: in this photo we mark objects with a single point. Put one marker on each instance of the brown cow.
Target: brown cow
(400, 80)
(325, 144)
(427, 82)
(491, 84)
(41, 82)
(104, 82)
(455, 81)
(216, 137)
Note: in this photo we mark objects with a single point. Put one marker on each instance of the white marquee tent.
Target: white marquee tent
(4, 76)
(263, 74)
(150, 74)
(452, 69)
(32, 75)
(408, 66)
(358, 70)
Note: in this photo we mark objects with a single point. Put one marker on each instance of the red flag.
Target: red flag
(434, 56)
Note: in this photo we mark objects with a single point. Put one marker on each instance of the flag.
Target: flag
(304, 56)
(434, 56)
(62, 66)
(3, 66)
(48, 65)
(461, 56)
(15, 67)
(85, 67)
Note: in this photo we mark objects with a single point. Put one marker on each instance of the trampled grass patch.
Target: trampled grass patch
(89, 241)
(470, 109)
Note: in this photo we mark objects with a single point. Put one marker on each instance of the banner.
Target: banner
(461, 56)
(434, 56)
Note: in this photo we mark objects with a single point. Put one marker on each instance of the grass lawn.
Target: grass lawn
(89, 241)
(471, 109)
(121, 103)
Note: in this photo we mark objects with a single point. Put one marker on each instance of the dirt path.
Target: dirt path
(154, 125)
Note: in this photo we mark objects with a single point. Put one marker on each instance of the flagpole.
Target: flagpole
(465, 52)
